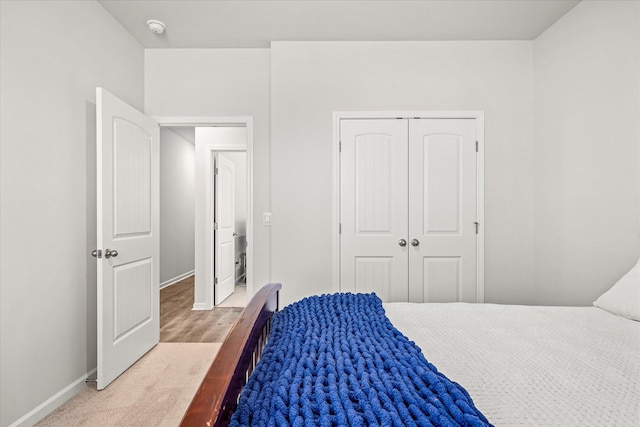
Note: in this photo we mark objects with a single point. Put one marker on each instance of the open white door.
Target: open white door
(128, 243)
(224, 266)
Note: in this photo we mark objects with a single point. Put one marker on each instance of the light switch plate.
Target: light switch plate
(266, 218)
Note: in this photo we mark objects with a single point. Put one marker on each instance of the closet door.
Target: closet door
(442, 210)
(374, 203)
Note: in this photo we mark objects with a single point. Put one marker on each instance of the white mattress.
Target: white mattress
(532, 366)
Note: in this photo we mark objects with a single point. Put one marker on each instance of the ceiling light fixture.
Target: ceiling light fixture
(156, 26)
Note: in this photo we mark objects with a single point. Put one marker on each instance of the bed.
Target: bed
(520, 365)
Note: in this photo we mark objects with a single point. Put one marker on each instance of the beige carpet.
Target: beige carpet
(155, 391)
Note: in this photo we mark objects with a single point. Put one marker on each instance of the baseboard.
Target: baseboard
(176, 279)
(55, 401)
(199, 306)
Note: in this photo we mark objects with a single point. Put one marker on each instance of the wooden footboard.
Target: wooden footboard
(217, 396)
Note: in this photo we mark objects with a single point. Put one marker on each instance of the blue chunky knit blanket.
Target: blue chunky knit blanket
(336, 360)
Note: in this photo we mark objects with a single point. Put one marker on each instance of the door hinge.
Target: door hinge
(215, 171)
(96, 253)
(215, 280)
(477, 146)
(477, 225)
(340, 228)
(340, 147)
(215, 225)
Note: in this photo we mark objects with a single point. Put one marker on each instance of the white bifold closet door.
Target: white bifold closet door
(408, 209)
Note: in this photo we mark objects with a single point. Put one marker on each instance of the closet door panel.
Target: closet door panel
(374, 203)
(442, 210)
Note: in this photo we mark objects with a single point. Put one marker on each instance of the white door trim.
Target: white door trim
(478, 115)
(201, 286)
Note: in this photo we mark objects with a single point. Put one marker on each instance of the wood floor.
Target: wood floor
(179, 323)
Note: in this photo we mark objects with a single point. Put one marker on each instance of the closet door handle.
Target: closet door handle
(415, 242)
(402, 242)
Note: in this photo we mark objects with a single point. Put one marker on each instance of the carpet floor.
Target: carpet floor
(155, 391)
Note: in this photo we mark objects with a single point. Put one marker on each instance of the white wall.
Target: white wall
(219, 82)
(53, 54)
(177, 232)
(587, 93)
(311, 80)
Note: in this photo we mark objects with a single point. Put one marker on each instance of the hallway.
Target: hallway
(179, 323)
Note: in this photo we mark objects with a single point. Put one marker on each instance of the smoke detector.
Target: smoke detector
(156, 26)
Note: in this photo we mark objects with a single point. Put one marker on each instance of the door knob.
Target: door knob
(402, 242)
(415, 242)
(108, 253)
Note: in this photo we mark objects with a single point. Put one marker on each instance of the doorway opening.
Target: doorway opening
(177, 232)
(178, 322)
(230, 218)
(231, 137)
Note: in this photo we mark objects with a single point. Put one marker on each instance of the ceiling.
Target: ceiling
(244, 23)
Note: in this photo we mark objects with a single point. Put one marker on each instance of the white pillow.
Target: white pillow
(623, 299)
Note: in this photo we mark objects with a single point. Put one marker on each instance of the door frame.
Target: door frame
(411, 114)
(204, 292)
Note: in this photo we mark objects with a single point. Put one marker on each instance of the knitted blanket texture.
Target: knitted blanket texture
(336, 360)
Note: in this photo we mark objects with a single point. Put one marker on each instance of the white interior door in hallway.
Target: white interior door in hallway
(408, 209)
(224, 265)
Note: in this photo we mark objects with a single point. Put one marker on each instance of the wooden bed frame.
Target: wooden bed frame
(217, 397)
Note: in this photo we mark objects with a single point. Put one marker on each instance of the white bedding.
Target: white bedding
(532, 366)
